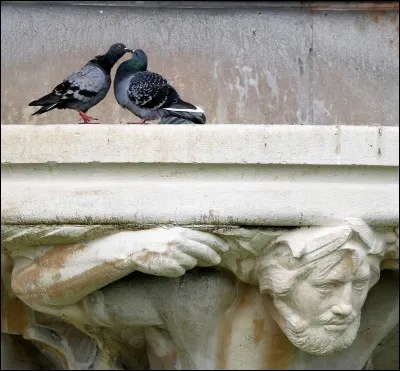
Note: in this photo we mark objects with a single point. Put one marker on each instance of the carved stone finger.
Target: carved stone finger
(184, 260)
(202, 252)
(213, 241)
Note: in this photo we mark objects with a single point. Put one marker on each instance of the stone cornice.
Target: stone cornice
(252, 175)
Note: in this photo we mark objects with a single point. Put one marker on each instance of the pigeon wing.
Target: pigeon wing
(150, 90)
(81, 85)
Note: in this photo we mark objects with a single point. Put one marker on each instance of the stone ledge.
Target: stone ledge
(255, 175)
(209, 144)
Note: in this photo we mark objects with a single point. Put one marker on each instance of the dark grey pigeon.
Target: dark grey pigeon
(149, 96)
(83, 88)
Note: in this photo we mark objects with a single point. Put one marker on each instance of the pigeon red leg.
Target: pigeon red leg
(86, 118)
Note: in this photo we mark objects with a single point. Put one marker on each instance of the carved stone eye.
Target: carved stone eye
(326, 287)
(359, 285)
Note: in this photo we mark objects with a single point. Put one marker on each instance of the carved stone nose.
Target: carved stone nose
(342, 309)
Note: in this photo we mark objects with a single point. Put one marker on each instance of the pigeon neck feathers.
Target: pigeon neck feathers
(106, 61)
(128, 68)
(138, 62)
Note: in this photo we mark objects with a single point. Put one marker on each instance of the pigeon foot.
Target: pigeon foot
(86, 118)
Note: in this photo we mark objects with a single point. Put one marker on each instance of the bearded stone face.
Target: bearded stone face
(317, 338)
(321, 312)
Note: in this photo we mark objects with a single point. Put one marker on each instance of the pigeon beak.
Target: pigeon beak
(128, 50)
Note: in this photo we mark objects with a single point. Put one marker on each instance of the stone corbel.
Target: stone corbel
(343, 262)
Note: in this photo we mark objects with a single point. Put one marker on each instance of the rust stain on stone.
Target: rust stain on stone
(346, 6)
(246, 300)
(394, 44)
(395, 21)
(27, 281)
(378, 16)
(27, 274)
(30, 273)
(147, 257)
(95, 277)
(225, 326)
(279, 351)
(14, 314)
(243, 302)
(258, 325)
(57, 256)
(224, 339)
(56, 292)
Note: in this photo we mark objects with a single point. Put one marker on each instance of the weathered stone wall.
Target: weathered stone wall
(244, 64)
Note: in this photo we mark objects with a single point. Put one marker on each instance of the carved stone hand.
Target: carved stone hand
(169, 252)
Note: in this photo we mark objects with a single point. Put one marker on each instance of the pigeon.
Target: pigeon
(85, 87)
(149, 96)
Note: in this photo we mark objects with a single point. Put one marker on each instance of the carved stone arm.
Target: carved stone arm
(62, 275)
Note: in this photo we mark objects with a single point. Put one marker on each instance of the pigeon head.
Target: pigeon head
(108, 60)
(117, 51)
(139, 60)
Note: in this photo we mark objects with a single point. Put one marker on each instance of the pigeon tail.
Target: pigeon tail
(187, 111)
(45, 108)
(49, 102)
(45, 100)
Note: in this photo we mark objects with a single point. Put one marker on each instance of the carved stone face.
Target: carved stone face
(321, 311)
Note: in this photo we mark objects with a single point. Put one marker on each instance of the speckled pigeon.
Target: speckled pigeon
(83, 88)
(149, 96)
